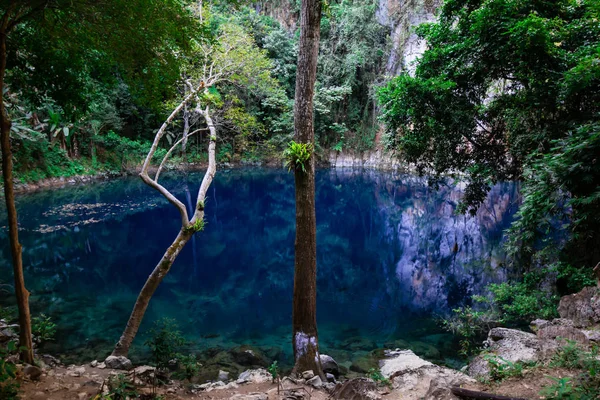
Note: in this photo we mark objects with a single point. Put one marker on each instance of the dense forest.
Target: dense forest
(483, 105)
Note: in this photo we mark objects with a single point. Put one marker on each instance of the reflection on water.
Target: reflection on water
(392, 256)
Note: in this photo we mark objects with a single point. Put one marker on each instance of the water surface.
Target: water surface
(392, 256)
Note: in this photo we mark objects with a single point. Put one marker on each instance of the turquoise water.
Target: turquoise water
(392, 257)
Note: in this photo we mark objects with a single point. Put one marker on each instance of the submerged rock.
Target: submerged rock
(582, 308)
(416, 378)
(248, 357)
(119, 362)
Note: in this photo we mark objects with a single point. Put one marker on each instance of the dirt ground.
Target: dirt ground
(74, 383)
(527, 387)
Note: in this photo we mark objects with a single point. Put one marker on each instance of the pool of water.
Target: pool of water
(392, 257)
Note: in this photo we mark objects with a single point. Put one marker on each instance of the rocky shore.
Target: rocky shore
(399, 373)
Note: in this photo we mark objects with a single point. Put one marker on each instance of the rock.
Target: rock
(426, 350)
(357, 389)
(329, 365)
(94, 364)
(512, 345)
(330, 377)
(75, 371)
(592, 335)
(582, 308)
(33, 372)
(119, 362)
(561, 328)
(144, 373)
(248, 357)
(401, 361)
(308, 374)
(82, 396)
(223, 376)
(101, 365)
(7, 335)
(250, 396)
(255, 376)
(315, 382)
(416, 378)
(329, 386)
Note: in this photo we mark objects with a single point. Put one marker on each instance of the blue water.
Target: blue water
(392, 257)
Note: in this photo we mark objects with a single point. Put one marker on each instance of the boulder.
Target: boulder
(512, 345)
(563, 329)
(582, 308)
(329, 365)
(255, 376)
(416, 378)
(119, 362)
(308, 374)
(75, 371)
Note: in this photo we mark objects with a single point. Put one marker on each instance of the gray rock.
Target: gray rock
(75, 371)
(510, 344)
(329, 365)
(330, 377)
(416, 378)
(329, 386)
(582, 308)
(248, 357)
(315, 382)
(94, 364)
(308, 374)
(250, 396)
(119, 362)
(223, 376)
(255, 376)
(592, 335)
(559, 329)
(7, 334)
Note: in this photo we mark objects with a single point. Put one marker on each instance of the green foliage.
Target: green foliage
(188, 366)
(584, 386)
(197, 226)
(9, 386)
(297, 155)
(165, 341)
(509, 90)
(501, 369)
(43, 328)
(521, 301)
(378, 377)
(274, 370)
(471, 326)
(120, 388)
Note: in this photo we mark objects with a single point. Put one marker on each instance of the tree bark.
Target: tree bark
(304, 316)
(13, 228)
(155, 278)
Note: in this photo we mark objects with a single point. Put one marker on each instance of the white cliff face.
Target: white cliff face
(402, 17)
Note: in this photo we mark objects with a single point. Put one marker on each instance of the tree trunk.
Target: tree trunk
(13, 228)
(155, 278)
(305, 339)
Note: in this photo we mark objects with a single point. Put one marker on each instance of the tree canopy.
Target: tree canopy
(509, 90)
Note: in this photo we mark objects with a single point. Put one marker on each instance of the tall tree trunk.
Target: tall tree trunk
(13, 228)
(304, 318)
(155, 278)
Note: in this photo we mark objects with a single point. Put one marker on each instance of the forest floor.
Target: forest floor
(85, 382)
